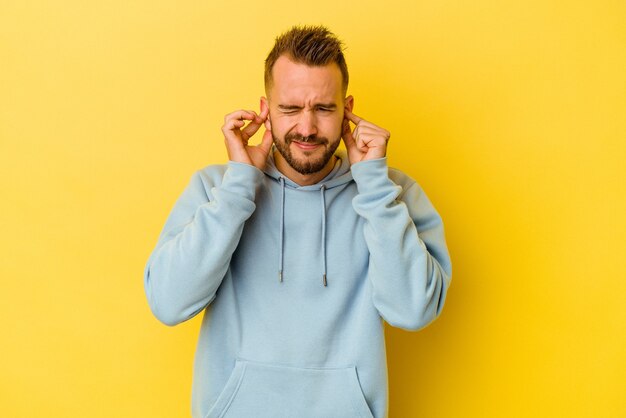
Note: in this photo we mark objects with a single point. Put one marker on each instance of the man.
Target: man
(297, 252)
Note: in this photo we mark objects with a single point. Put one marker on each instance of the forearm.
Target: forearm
(197, 243)
(409, 264)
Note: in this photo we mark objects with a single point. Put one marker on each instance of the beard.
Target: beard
(311, 164)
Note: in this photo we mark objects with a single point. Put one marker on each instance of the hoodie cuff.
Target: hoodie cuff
(242, 179)
(371, 175)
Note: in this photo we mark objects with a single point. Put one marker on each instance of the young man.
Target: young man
(296, 253)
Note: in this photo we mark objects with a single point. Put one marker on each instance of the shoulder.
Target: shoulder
(211, 175)
(233, 176)
(414, 196)
(203, 180)
(403, 180)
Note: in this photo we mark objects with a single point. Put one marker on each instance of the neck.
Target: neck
(302, 179)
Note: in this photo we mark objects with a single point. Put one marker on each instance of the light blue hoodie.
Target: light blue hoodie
(295, 283)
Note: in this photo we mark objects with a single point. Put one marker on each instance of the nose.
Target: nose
(307, 124)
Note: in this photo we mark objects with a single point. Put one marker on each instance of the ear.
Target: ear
(348, 103)
(264, 105)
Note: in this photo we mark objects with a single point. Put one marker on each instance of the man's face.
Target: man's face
(306, 113)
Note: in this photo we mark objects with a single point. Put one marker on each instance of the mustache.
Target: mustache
(309, 139)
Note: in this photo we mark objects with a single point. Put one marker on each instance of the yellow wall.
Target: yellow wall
(511, 114)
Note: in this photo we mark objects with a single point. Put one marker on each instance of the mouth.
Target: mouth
(306, 146)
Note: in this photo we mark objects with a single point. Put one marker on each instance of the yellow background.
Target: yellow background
(510, 114)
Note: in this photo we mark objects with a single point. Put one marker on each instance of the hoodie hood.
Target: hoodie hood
(339, 175)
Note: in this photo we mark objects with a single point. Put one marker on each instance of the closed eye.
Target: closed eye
(326, 108)
(292, 110)
(289, 110)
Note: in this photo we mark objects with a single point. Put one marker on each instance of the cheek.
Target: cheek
(282, 126)
(332, 126)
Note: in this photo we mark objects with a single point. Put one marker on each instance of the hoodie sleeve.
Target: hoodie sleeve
(200, 235)
(409, 265)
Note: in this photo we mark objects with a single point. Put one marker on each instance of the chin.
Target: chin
(305, 161)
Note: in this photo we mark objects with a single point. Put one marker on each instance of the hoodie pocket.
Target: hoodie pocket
(266, 390)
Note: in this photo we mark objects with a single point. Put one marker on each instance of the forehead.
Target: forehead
(293, 81)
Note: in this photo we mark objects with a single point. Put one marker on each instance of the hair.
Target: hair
(314, 46)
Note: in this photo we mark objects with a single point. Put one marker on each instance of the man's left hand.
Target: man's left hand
(366, 142)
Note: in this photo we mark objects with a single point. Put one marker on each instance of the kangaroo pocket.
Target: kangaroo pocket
(266, 390)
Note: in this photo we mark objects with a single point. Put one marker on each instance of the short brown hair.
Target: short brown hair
(315, 46)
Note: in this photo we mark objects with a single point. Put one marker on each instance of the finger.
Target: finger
(233, 138)
(264, 112)
(372, 146)
(352, 117)
(254, 126)
(372, 132)
(354, 154)
(235, 120)
(368, 140)
(231, 125)
(362, 143)
(346, 134)
(251, 129)
(240, 114)
(266, 142)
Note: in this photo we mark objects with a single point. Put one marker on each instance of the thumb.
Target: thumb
(348, 139)
(266, 142)
(346, 135)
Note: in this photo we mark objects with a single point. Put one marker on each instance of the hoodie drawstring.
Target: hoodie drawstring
(281, 238)
(282, 229)
(322, 190)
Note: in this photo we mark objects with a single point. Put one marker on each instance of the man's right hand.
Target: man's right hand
(236, 137)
